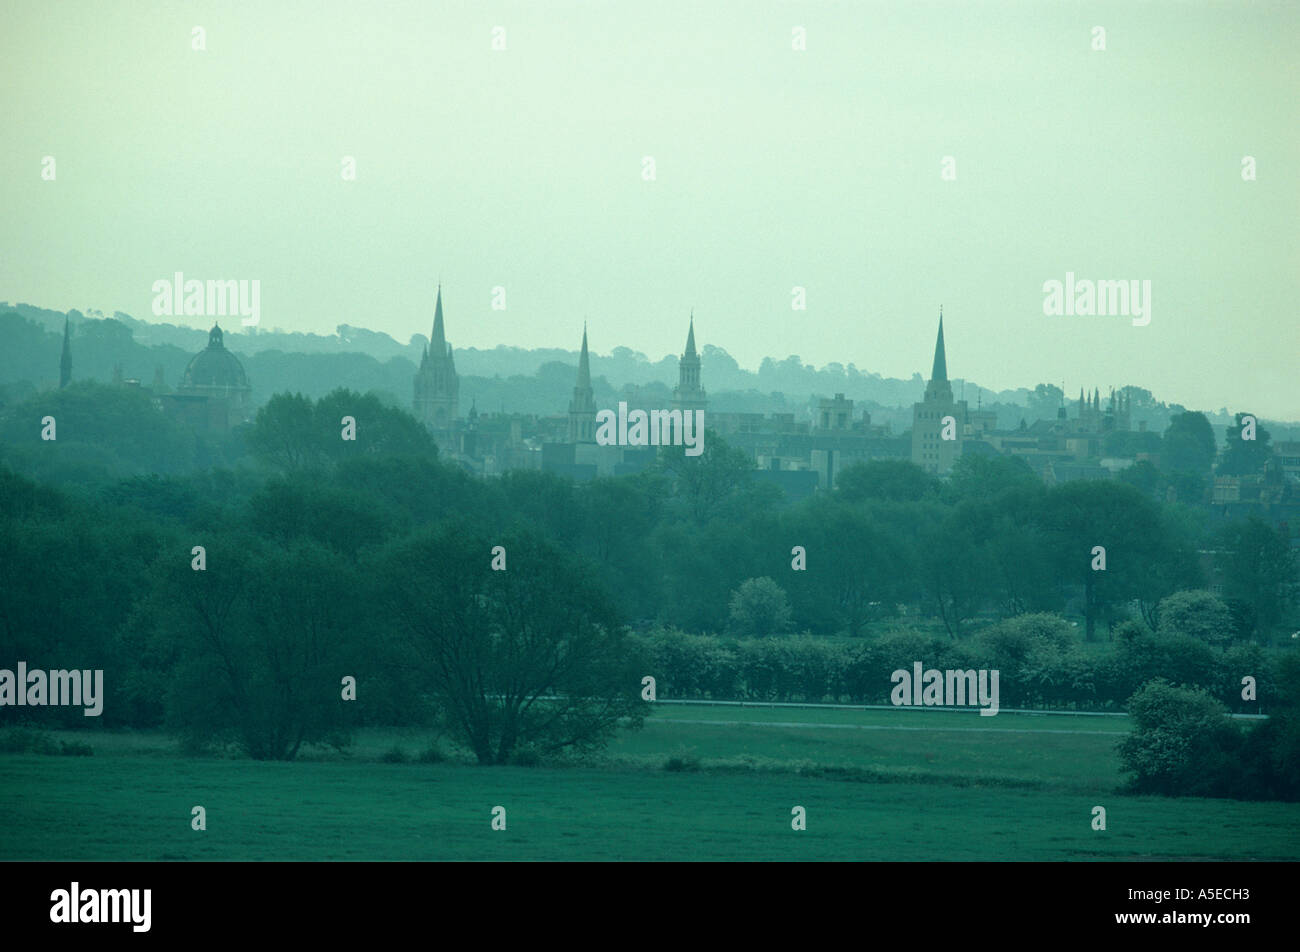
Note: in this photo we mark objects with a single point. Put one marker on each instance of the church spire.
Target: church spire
(65, 362)
(582, 408)
(584, 363)
(438, 342)
(690, 337)
(940, 369)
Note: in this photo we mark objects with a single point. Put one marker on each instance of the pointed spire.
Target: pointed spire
(65, 361)
(690, 337)
(438, 341)
(940, 370)
(584, 363)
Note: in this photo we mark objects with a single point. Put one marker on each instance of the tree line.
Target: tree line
(374, 559)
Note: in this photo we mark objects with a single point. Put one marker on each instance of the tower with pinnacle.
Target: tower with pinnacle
(582, 408)
(689, 395)
(929, 450)
(437, 387)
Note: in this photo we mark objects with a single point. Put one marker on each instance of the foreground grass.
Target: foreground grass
(1068, 753)
(132, 801)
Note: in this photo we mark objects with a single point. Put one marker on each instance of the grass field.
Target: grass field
(960, 788)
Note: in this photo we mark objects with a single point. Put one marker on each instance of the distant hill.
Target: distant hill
(538, 381)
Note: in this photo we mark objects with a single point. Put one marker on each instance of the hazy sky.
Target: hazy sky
(775, 168)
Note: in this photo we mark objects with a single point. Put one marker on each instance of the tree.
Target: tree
(103, 433)
(759, 608)
(1244, 457)
(952, 564)
(1196, 614)
(1080, 516)
(1128, 444)
(898, 480)
(532, 655)
(291, 433)
(284, 433)
(1143, 475)
(1188, 445)
(1258, 568)
(707, 481)
(262, 639)
(857, 563)
(1045, 400)
(981, 477)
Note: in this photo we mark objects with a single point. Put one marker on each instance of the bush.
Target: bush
(526, 757)
(1182, 743)
(26, 740)
(432, 755)
(394, 755)
(682, 763)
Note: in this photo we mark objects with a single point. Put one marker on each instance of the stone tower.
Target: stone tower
(688, 394)
(929, 450)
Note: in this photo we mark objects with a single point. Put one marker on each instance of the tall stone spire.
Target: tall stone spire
(690, 337)
(438, 340)
(65, 362)
(437, 386)
(940, 369)
(584, 362)
(582, 408)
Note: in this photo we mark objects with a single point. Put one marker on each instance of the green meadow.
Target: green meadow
(697, 783)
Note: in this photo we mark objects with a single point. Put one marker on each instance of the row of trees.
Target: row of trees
(1039, 657)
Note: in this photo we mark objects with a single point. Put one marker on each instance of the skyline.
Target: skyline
(234, 333)
(522, 168)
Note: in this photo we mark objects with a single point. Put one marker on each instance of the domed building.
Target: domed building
(214, 390)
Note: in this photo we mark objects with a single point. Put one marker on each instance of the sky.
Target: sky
(774, 168)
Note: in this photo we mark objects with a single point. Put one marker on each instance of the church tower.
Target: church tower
(582, 408)
(65, 362)
(929, 450)
(437, 387)
(689, 395)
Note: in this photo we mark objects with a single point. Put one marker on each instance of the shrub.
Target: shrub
(1182, 742)
(432, 755)
(526, 757)
(26, 740)
(682, 763)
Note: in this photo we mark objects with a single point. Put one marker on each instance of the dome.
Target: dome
(215, 367)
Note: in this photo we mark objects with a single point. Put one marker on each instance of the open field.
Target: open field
(951, 793)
